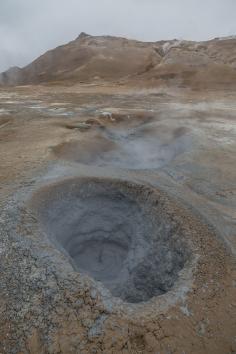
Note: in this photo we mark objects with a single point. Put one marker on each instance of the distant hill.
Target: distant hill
(111, 59)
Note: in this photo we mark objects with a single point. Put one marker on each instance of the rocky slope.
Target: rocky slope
(210, 64)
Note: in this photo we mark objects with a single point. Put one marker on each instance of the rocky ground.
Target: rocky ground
(176, 147)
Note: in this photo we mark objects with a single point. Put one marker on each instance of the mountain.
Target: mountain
(112, 59)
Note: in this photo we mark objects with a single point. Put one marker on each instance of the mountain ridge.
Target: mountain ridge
(89, 59)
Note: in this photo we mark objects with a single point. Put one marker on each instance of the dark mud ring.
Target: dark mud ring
(118, 233)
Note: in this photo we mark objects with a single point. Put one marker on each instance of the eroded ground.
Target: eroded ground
(182, 146)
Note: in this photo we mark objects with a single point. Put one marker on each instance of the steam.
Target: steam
(139, 150)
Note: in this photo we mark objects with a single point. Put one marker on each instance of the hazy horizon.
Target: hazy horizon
(29, 28)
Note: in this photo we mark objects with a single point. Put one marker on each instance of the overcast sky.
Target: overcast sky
(30, 27)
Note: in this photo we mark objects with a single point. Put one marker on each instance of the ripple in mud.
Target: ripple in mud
(114, 232)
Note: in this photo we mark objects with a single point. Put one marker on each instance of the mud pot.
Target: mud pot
(113, 233)
(144, 146)
(117, 221)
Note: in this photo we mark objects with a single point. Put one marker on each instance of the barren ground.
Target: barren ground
(178, 143)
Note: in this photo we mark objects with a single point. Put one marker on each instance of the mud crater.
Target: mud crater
(116, 234)
(147, 146)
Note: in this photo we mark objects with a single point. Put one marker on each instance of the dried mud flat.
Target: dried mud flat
(118, 220)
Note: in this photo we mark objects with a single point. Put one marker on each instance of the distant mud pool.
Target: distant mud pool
(147, 146)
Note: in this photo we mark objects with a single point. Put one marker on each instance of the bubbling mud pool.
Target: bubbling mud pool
(116, 232)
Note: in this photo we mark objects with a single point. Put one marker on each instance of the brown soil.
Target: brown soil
(47, 309)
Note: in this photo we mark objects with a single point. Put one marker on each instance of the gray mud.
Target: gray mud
(115, 234)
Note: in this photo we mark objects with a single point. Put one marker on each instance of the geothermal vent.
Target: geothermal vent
(116, 232)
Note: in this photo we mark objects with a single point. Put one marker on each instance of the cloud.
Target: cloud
(30, 27)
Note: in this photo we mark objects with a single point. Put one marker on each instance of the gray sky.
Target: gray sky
(30, 27)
